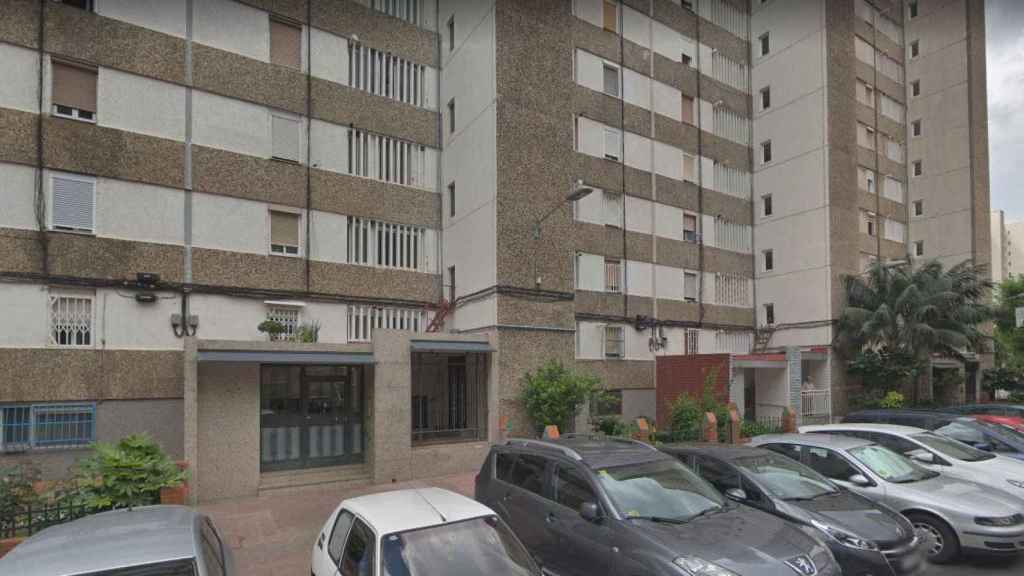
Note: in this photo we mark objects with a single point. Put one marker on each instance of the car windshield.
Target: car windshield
(659, 489)
(477, 547)
(784, 477)
(951, 448)
(890, 466)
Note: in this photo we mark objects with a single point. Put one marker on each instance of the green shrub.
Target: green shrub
(129, 473)
(1016, 397)
(611, 426)
(554, 394)
(751, 428)
(686, 416)
(308, 332)
(892, 399)
(17, 486)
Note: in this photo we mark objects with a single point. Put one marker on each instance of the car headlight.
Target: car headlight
(1016, 483)
(845, 538)
(1000, 521)
(695, 566)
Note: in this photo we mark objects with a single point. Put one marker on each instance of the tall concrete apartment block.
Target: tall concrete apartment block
(393, 178)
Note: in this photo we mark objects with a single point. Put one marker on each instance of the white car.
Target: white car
(418, 532)
(939, 453)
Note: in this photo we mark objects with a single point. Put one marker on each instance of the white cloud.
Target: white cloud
(1005, 69)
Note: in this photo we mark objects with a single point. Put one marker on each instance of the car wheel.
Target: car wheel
(939, 541)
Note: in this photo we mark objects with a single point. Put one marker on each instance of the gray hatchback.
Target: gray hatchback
(591, 506)
(146, 541)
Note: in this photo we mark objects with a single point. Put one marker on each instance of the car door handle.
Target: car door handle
(550, 519)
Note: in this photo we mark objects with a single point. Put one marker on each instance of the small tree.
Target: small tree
(129, 473)
(1002, 379)
(17, 486)
(687, 412)
(554, 393)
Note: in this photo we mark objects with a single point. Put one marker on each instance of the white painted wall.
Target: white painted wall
(26, 323)
(475, 314)
(329, 146)
(17, 189)
(329, 56)
(807, 249)
(667, 100)
(469, 74)
(139, 212)
(668, 161)
(230, 124)
(638, 215)
(589, 137)
(589, 11)
(639, 278)
(668, 222)
(590, 272)
(142, 105)
(590, 70)
(669, 281)
(637, 151)
(328, 237)
(226, 223)
(167, 16)
(636, 88)
(232, 26)
(19, 69)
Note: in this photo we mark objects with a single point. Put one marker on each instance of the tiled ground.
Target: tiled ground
(273, 534)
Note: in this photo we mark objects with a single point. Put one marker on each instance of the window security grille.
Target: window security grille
(732, 236)
(71, 320)
(363, 319)
(732, 290)
(408, 10)
(387, 159)
(692, 343)
(614, 341)
(385, 74)
(286, 316)
(612, 275)
(385, 245)
(25, 427)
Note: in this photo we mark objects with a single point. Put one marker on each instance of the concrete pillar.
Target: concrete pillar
(709, 428)
(643, 430)
(794, 366)
(191, 415)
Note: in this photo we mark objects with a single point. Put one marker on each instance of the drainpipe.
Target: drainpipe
(700, 184)
(309, 142)
(622, 165)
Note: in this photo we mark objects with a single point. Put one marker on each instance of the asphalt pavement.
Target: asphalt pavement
(980, 566)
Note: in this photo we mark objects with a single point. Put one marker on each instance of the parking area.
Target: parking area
(272, 534)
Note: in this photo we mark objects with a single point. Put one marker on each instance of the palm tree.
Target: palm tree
(914, 311)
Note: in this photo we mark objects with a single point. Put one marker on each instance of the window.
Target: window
(611, 16)
(72, 203)
(720, 475)
(689, 167)
(384, 74)
(829, 464)
(915, 128)
(612, 275)
(451, 200)
(386, 245)
(766, 98)
(764, 43)
(614, 207)
(915, 49)
(915, 88)
(766, 204)
(572, 489)
(408, 10)
(766, 151)
(612, 144)
(769, 260)
(690, 286)
(912, 9)
(83, 4)
(866, 179)
(285, 44)
(71, 319)
(687, 109)
(286, 136)
(449, 398)
(451, 116)
(918, 168)
(918, 207)
(614, 341)
(28, 426)
(690, 227)
(336, 544)
(362, 320)
(288, 317)
(865, 136)
(451, 33)
(284, 233)
(769, 314)
(868, 223)
(74, 92)
(691, 342)
(357, 559)
(686, 59)
(213, 552)
(611, 80)
(526, 472)
(390, 160)
(919, 248)
(866, 94)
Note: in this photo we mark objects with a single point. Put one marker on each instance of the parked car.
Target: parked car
(993, 409)
(165, 540)
(981, 435)
(865, 537)
(1008, 421)
(418, 532)
(937, 453)
(948, 513)
(599, 506)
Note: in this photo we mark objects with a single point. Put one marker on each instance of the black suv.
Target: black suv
(586, 505)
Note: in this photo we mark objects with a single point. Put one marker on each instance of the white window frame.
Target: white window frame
(768, 257)
(617, 287)
(914, 49)
(76, 114)
(766, 90)
(619, 136)
(696, 227)
(764, 44)
(298, 120)
(58, 293)
(49, 197)
(695, 276)
(916, 128)
(619, 82)
(296, 307)
(302, 222)
(919, 248)
(761, 149)
(604, 341)
(769, 321)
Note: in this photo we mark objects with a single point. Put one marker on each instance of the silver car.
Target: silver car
(949, 514)
(938, 453)
(164, 540)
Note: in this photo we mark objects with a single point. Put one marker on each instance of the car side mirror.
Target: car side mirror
(923, 456)
(737, 494)
(590, 512)
(860, 480)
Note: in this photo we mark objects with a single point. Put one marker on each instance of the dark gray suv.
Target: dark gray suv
(590, 506)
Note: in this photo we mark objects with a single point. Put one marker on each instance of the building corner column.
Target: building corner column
(191, 415)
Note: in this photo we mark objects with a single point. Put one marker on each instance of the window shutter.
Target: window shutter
(284, 228)
(611, 16)
(687, 109)
(286, 137)
(73, 202)
(74, 87)
(285, 44)
(613, 209)
(612, 144)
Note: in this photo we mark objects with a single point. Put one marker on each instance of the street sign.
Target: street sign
(1020, 317)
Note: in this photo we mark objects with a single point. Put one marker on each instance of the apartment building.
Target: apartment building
(326, 239)
(1014, 243)
(1000, 246)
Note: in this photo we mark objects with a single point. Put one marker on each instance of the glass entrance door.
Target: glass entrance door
(311, 416)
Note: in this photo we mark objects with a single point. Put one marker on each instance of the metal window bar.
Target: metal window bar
(729, 72)
(732, 181)
(449, 397)
(362, 320)
(731, 126)
(26, 427)
(387, 75)
(70, 320)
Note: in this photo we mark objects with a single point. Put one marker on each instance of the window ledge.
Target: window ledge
(91, 234)
(286, 161)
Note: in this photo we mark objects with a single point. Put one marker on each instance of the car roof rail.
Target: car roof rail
(544, 444)
(606, 438)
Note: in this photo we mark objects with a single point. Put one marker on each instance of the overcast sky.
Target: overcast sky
(1004, 23)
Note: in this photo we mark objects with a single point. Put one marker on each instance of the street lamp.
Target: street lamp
(578, 193)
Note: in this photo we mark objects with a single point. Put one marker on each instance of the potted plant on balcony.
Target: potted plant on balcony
(272, 328)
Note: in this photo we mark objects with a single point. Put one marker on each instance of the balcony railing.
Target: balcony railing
(816, 402)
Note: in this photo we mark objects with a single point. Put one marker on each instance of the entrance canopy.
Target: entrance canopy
(449, 346)
(285, 357)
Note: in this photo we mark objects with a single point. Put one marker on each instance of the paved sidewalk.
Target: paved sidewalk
(273, 534)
